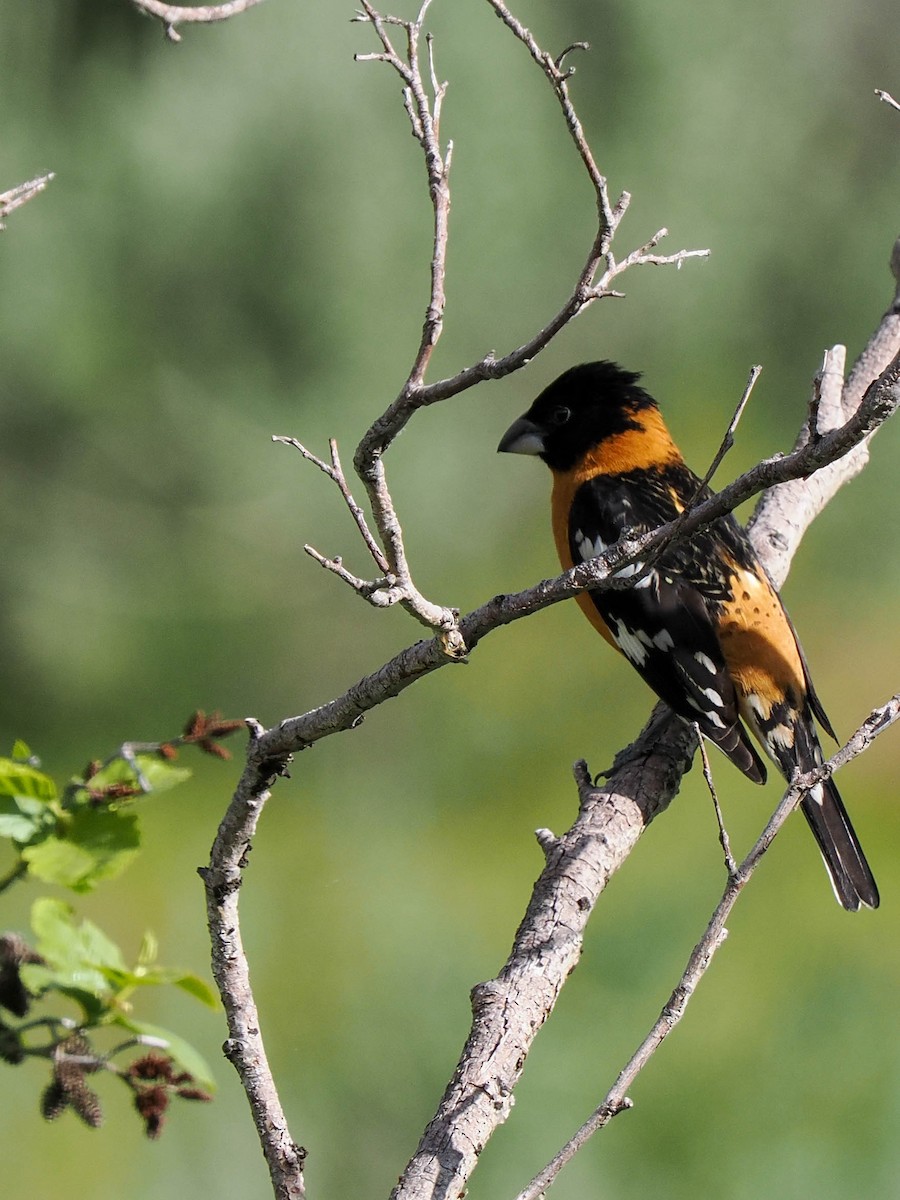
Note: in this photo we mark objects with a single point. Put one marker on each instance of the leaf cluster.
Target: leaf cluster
(63, 991)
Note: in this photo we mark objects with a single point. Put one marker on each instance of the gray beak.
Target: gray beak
(522, 437)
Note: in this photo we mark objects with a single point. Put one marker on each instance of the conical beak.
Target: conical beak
(522, 437)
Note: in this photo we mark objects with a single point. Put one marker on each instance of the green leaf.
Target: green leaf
(198, 988)
(17, 824)
(55, 860)
(88, 992)
(183, 1052)
(18, 779)
(20, 750)
(77, 955)
(158, 773)
(185, 980)
(98, 844)
(113, 838)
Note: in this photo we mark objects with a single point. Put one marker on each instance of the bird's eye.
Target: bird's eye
(560, 415)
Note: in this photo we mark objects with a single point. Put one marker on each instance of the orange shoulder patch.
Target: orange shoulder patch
(647, 448)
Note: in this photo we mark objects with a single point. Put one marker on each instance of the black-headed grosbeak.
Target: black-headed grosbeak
(704, 626)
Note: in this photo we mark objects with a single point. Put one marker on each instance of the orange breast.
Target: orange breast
(564, 489)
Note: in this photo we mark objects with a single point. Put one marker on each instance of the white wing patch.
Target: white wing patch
(632, 569)
(634, 645)
(705, 661)
(782, 736)
(710, 713)
(588, 549)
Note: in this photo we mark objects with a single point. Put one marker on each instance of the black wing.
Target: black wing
(664, 624)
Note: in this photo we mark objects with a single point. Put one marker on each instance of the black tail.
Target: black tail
(851, 877)
(823, 808)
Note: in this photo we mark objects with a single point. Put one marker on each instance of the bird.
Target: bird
(702, 624)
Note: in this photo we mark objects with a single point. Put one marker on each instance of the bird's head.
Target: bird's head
(583, 408)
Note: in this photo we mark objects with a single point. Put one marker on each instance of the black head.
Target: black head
(581, 409)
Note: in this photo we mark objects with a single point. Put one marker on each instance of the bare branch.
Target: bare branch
(335, 472)
(173, 15)
(701, 957)
(724, 840)
(887, 98)
(558, 78)
(424, 114)
(21, 194)
(424, 111)
(245, 1048)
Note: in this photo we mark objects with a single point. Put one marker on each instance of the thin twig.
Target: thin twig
(887, 98)
(173, 15)
(335, 473)
(552, 68)
(728, 439)
(724, 841)
(15, 197)
(425, 116)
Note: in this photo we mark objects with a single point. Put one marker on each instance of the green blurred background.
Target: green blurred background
(236, 245)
